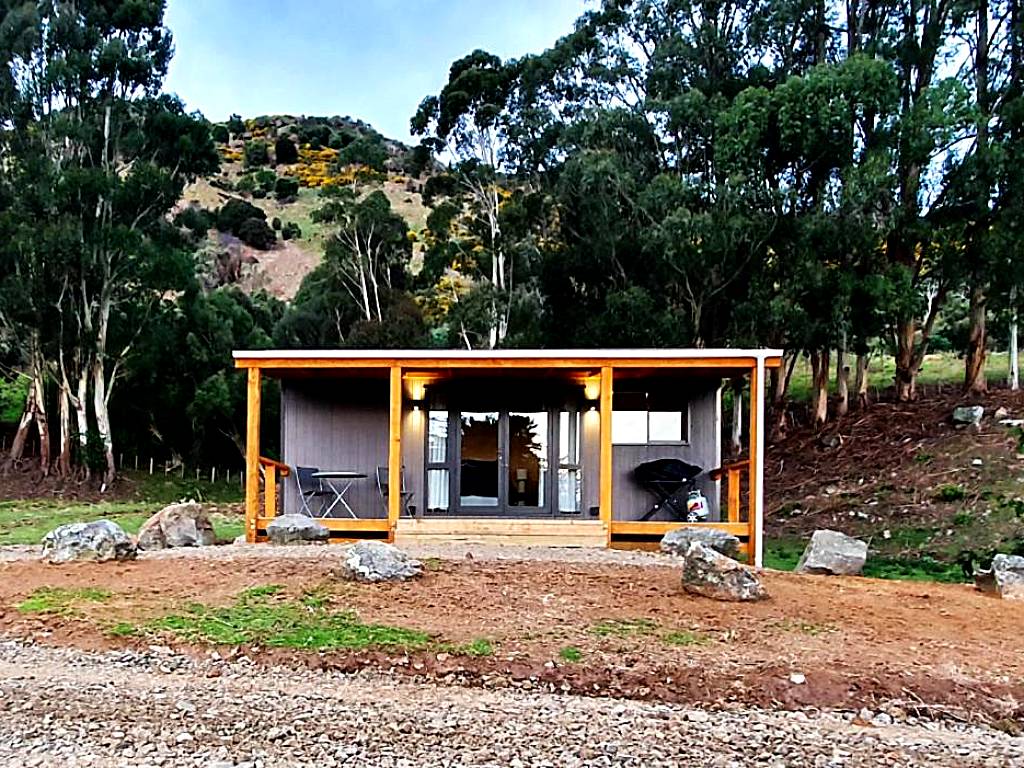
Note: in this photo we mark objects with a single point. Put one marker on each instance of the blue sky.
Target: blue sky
(371, 59)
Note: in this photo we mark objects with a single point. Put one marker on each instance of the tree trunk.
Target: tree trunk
(974, 367)
(736, 437)
(779, 379)
(906, 371)
(819, 384)
(64, 410)
(24, 425)
(1014, 380)
(99, 405)
(842, 379)
(861, 385)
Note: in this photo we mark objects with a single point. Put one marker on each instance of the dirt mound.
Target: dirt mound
(595, 629)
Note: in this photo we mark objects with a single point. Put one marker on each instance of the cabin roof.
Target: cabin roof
(506, 358)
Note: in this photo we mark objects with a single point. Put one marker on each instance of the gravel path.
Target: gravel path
(60, 707)
(327, 551)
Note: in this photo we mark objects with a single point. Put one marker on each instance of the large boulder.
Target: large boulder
(968, 414)
(833, 553)
(177, 525)
(712, 574)
(1005, 578)
(296, 529)
(98, 541)
(677, 542)
(375, 561)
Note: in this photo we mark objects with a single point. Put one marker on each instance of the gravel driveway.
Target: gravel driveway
(62, 707)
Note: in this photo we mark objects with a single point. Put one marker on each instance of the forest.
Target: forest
(836, 179)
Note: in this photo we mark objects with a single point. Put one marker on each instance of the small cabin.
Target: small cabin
(581, 448)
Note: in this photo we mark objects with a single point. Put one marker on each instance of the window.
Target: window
(642, 418)
(569, 492)
(437, 461)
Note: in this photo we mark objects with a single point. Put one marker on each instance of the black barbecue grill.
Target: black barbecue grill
(669, 481)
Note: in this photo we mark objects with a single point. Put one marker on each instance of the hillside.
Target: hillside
(932, 497)
(327, 151)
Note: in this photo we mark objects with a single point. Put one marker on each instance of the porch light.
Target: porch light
(592, 389)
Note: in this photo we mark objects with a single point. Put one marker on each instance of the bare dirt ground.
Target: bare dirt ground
(918, 649)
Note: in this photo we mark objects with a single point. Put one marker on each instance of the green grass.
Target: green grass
(26, 521)
(938, 368)
(805, 627)
(950, 492)
(685, 637)
(913, 569)
(261, 616)
(782, 554)
(59, 600)
(570, 654)
(624, 627)
(479, 647)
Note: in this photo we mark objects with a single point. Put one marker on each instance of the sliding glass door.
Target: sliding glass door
(499, 462)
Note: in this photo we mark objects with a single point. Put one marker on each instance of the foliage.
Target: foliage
(256, 154)
(236, 212)
(220, 134)
(291, 231)
(257, 233)
(286, 188)
(368, 150)
(285, 151)
(12, 398)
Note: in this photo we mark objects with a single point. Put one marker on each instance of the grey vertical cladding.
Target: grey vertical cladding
(339, 424)
(629, 501)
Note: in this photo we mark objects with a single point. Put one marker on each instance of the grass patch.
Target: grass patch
(624, 627)
(923, 568)
(431, 564)
(260, 616)
(950, 492)
(570, 654)
(685, 637)
(479, 647)
(123, 629)
(782, 554)
(58, 600)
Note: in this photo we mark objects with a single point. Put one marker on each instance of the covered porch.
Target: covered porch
(535, 448)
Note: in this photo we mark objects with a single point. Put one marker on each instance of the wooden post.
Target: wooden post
(756, 472)
(252, 455)
(270, 492)
(733, 491)
(605, 470)
(395, 451)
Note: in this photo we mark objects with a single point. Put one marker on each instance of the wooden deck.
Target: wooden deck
(503, 532)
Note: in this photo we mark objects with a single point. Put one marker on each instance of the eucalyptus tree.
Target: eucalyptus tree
(79, 97)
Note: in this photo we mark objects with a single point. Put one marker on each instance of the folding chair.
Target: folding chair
(383, 488)
(310, 488)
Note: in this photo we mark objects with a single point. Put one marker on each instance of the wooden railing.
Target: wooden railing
(733, 475)
(272, 472)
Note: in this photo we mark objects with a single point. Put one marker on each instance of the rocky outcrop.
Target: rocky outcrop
(296, 529)
(833, 553)
(712, 574)
(177, 525)
(1005, 578)
(375, 561)
(97, 541)
(677, 542)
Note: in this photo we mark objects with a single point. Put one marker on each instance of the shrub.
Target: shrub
(265, 180)
(286, 188)
(220, 134)
(275, 224)
(236, 212)
(196, 220)
(291, 231)
(366, 150)
(259, 193)
(246, 183)
(257, 233)
(256, 154)
(235, 125)
(285, 151)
